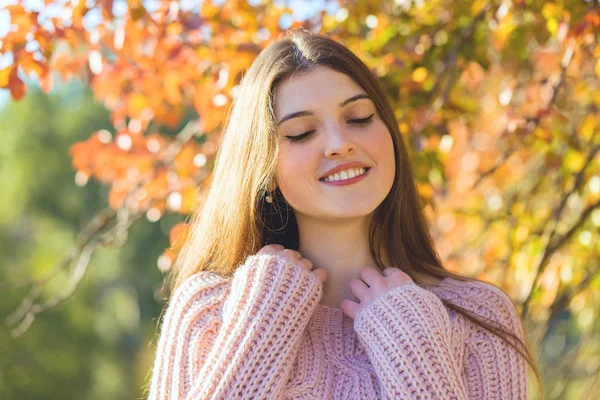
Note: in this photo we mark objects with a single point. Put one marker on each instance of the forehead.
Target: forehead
(313, 90)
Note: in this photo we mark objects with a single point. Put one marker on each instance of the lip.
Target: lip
(353, 164)
(348, 181)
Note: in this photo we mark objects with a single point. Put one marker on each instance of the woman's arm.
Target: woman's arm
(237, 343)
(409, 338)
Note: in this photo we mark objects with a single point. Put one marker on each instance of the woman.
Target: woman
(309, 271)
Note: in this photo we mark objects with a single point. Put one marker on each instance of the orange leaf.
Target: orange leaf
(29, 65)
(178, 234)
(78, 13)
(47, 82)
(189, 199)
(21, 18)
(45, 40)
(171, 86)
(184, 161)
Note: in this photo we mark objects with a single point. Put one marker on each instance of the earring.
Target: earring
(269, 199)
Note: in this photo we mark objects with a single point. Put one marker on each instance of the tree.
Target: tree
(498, 101)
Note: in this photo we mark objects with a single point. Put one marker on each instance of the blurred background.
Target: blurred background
(110, 117)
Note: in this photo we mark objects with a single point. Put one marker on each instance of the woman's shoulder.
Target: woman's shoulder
(468, 289)
(482, 298)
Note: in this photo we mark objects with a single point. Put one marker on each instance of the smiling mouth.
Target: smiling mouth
(349, 180)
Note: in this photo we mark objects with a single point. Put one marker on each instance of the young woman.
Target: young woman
(309, 272)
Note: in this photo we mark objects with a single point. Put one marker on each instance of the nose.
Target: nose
(338, 144)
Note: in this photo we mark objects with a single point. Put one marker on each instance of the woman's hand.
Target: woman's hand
(295, 258)
(371, 286)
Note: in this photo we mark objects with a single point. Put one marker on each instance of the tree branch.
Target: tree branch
(554, 243)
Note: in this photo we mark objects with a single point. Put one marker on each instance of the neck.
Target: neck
(339, 246)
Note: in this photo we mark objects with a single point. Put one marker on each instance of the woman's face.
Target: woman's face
(329, 110)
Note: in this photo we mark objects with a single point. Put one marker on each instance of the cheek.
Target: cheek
(293, 175)
(285, 170)
(293, 166)
(381, 147)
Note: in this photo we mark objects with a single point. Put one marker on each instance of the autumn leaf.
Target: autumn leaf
(178, 234)
(16, 85)
(5, 76)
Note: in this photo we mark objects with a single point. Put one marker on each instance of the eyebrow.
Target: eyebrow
(307, 113)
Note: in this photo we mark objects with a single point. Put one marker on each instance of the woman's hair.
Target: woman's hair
(233, 220)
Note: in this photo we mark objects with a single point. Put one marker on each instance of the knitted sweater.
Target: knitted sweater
(262, 334)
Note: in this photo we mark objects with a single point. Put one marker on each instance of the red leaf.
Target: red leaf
(16, 85)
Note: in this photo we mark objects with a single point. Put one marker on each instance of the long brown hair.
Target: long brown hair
(233, 220)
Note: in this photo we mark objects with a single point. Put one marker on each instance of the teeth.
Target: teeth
(343, 175)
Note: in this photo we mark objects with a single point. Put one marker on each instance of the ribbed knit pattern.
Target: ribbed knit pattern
(263, 335)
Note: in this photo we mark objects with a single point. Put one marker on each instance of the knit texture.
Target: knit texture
(262, 334)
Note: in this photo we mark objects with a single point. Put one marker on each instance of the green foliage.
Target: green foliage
(99, 343)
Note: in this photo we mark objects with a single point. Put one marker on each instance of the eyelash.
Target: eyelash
(361, 121)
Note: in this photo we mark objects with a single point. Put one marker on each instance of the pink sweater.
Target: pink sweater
(262, 334)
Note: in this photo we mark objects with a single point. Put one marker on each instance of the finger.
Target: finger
(306, 263)
(271, 249)
(370, 276)
(292, 253)
(390, 271)
(358, 288)
(321, 274)
(350, 308)
(395, 276)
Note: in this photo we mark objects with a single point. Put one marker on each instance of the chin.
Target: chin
(346, 209)
(349, 212)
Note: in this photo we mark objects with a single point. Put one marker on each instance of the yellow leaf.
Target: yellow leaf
(549, 10)
(477, 6)
(209, 10)
(552, 26)
(136, 103)
(425, 190)
(574, 160)
(419, 74)
(4, 75)
(587, 126)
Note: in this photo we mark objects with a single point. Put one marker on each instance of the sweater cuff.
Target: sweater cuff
(408, 307)
(407, 335)
(268, 283)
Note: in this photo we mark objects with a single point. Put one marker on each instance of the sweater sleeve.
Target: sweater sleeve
(408, 336)
(236, 340)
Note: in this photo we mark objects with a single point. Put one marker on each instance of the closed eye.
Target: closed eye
(367, 120)
(300, 137)
(361, 121)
